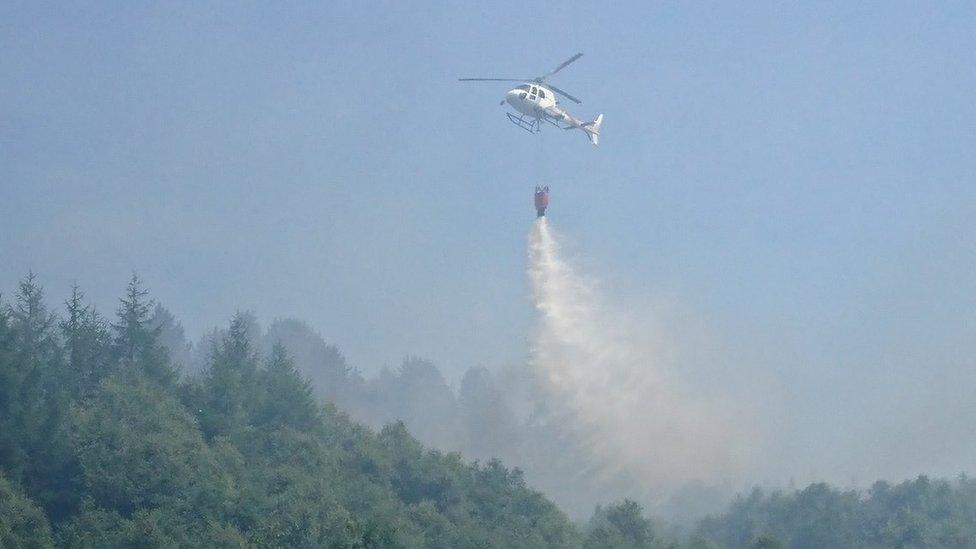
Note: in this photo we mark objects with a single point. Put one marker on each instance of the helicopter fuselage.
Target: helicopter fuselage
(539, 102)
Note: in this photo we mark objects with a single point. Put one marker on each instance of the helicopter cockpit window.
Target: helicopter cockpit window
(542, 94)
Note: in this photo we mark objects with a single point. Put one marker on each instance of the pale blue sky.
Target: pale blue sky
(798, 178)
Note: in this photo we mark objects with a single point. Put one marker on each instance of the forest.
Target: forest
(115, 431)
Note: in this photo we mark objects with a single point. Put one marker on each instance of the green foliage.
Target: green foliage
(620, 526)
(102, 446)
(22, 522)
(118, 453)
(139, 448)
(418, 395)
(916, 513)
(286, 399)
(171, 337)
(229, 384)
(766, 542)
(87, 345)
(328, 371)
(34, 400)
(28, 356)
(136, 340)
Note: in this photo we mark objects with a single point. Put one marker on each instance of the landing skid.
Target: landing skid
(530, 124)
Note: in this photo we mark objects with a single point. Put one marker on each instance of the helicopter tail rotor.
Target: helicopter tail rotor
(592, 129)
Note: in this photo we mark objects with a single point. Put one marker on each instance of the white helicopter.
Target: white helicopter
(535, 100)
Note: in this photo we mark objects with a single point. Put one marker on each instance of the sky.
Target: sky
(788, 188)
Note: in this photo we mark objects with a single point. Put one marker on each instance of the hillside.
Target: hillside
(103, 443)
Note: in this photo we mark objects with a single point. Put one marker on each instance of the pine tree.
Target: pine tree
(86, 345)
(31, 351)
(231, 389)
(36, 443)
(136, 345)
(172, 338)
(10, 375)
(32, 323)
(287, 397)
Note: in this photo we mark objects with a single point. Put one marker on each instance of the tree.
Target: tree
(323, 364)
(490, 427)
(136, 341)
(419, 396)
(22, 522)
(230, 387)
(33, 402)
(171, 337)
(621, 525)
(32, 358)
(139, 449)
(287, 398)
(97, 444)
(11, 374)
(87, 345)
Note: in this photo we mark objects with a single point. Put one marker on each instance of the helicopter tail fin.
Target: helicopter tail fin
(592, 129)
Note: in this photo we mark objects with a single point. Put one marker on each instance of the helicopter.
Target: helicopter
(535, 101)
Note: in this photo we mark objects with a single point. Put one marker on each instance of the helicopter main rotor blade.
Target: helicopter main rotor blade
(562, 93)
(494, 79)
(563, 65)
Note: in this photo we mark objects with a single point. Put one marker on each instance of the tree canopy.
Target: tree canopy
(106, 442)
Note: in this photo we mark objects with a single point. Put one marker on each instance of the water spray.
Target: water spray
(612, 387)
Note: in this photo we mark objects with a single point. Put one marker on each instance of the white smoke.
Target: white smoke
(625, 405)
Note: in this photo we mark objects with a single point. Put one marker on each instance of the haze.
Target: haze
(783, 195)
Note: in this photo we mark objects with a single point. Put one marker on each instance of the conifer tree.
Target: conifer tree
(9, 390)
(136, 345)
(31, 351)
(39, 456)
(287, 398)
(86, 345)
(73, 336)
(172, 338)
(32, 323)
(231, 382)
